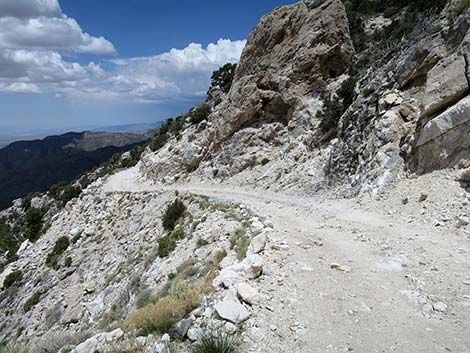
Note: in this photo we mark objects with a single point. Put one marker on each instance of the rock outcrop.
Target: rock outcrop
(267, 129)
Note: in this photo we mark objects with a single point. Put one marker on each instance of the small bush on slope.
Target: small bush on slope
(32, 301)
(216, 343)
(34, 223)
(6, 348)
(172, 214)
(59, 248)
(182, 297)
(12, 278)
(166, 245)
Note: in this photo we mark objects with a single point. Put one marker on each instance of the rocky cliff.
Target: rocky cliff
(231, 226)
(278, 125)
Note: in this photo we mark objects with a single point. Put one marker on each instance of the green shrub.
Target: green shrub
(144, 298)
(70, 192)
(26, 201)
(64, 192)
(182, 297)
(8, 348)
(32, 301)
(220, 255)
(68, 261)
(213, 342)
(8, 241)
(334, 107)
(172, 214)
(76, 237)
(223, 77)
(237, 234)
(201, 242)
(264, 161)
(166, 245)
(60, 246)
(178, 234)
(242, 247)
(461, 6)
(200, 113)
(34, 223)
(12, 278)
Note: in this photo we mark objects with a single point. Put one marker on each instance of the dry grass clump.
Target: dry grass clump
(180, 299)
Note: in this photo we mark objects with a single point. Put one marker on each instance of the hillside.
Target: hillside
(317, 201)
(34, 166)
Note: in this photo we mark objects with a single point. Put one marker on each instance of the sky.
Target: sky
(83, 64)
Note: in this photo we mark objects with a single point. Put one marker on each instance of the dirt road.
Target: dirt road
(343, 279)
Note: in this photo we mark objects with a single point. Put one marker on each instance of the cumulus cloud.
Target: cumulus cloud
(30, 8)
(179, 73)
(50, 33)
(41, 25)
(36, 37)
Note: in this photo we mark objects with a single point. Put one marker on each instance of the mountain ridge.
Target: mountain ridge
(34, 166)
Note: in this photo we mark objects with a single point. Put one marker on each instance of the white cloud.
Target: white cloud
(19, 87)
(30, 8)
(35, 35)
(179, 73)
(41, 25)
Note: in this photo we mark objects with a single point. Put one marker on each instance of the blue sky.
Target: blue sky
(68, 64)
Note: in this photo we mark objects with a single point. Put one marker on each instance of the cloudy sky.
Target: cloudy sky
(69, 64)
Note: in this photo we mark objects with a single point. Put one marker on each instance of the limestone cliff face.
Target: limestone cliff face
(291, 56)
(294, 54)
(407, 111)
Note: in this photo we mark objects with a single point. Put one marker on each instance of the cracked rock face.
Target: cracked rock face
(266, 130)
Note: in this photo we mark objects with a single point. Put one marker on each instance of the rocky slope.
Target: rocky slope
(234, 222)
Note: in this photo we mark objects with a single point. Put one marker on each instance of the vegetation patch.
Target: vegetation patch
(166, 245)
(32, 301)
(240, 242)
(223, 77)
(201, 242)
(335, 106)
(12, 278)
(64, 192)
(173, 213)
(59, 248)
(213, 342)
(34, 223)
(7, 348)
(157, 317)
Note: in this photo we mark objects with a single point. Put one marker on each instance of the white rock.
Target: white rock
(232, 311)
(254, 265)
(247, 293)
(441, 307)
(230, 328)
(194, 334)
(257, 244)
(24, 245)
(391, 98)
(98, 342)
(339, 267)
(462, 222)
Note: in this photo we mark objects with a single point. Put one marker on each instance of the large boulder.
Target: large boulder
(444, 141)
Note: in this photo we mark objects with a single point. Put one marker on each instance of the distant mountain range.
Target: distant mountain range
(131, 128)
(11, 134)
(27, 166)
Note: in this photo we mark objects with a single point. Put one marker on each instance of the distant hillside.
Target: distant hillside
(27, 166)
(131, 128)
